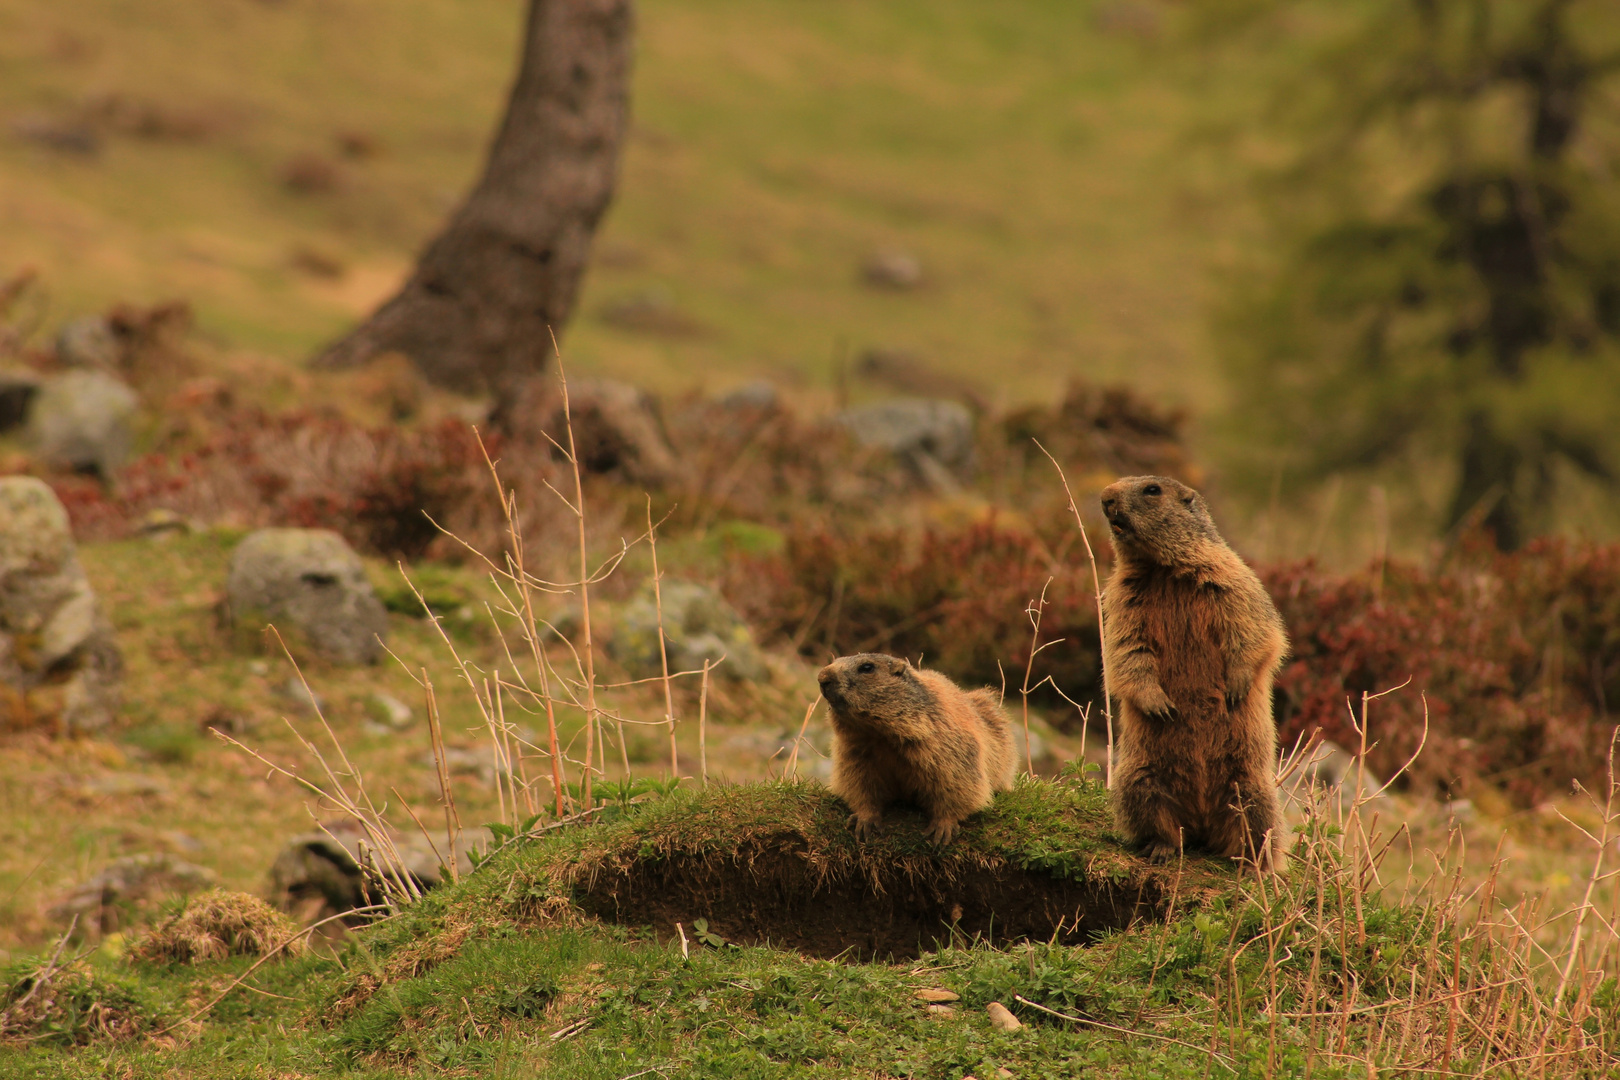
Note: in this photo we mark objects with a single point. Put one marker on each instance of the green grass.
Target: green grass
(477, 979)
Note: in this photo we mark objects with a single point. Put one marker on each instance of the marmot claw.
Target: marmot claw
(864, 829)
(1158, 852)
(940, 831)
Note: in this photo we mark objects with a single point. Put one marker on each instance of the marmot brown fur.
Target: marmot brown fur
(1191, 643)
(906, 734)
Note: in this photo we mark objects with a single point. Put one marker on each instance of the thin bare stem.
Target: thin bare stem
(1096, 588)
(1034, 611)
(703, 726)
(663, 648)
(793, 760)
(591, 713)
(447, 798)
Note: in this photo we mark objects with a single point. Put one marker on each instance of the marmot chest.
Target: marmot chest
(1181, 622)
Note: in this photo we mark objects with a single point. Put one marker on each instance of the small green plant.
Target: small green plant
(170, 744)
(704, 936)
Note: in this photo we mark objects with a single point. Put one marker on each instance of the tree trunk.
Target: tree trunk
(478, 313)
(1487, 493)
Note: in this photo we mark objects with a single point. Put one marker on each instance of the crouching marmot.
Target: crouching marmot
(1191, 642)
(905, 734)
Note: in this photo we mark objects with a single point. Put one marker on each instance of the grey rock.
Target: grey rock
(301, 696)
(1038, 750)
(18, 388)
(312, 581)
(698, 625)
(892, 269)
(618, 429)
(651, 311)
(88, 342)
(84, 420)
(336, 870)
(56, 647)
(468, 761)
(933, 436)
(1331, 775)
(776, 748)
(388, 710)
(104, 902)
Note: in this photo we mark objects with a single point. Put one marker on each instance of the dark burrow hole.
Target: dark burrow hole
(774, 897)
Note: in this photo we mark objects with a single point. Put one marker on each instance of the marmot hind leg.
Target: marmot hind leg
(1250, 827)
(1149, 815)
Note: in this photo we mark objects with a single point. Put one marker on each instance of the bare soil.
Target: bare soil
(775, 894)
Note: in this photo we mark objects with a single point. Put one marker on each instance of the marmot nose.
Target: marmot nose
(827, 677)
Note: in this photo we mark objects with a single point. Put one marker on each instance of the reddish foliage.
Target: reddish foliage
(378, 487)
(957, 599)
(1517, 655)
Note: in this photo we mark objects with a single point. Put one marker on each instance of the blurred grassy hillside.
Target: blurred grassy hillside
(278, 163)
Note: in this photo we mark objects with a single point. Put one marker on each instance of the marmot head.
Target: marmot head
(1157, 518)
(869, 688)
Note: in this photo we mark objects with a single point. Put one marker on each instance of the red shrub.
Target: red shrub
(956, 599)
(1518, 656)
(379, 487)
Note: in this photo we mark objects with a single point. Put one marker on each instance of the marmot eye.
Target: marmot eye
(1153, 489)
(867, 668)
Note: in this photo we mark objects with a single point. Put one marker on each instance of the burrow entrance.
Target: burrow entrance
(774, 895)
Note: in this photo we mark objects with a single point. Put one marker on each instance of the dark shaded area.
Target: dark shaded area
(772, 893)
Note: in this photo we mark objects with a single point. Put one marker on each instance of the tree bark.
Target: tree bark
(477, 314)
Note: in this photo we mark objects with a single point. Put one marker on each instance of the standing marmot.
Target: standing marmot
(1192, 643)
(905, 734)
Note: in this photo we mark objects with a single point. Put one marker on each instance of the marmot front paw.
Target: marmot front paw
(940, 831)
(1157, 707)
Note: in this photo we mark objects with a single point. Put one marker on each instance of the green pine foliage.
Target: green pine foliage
(1448, 288)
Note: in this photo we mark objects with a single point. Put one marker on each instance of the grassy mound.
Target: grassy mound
(777, 864)
(217, 924)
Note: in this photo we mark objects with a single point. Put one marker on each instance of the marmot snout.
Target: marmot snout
(906, 734)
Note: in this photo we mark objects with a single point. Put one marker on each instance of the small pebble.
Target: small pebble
(936, 995)
(1001, 1018)
(301, 696)
(941, 1012)
(388, 710)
